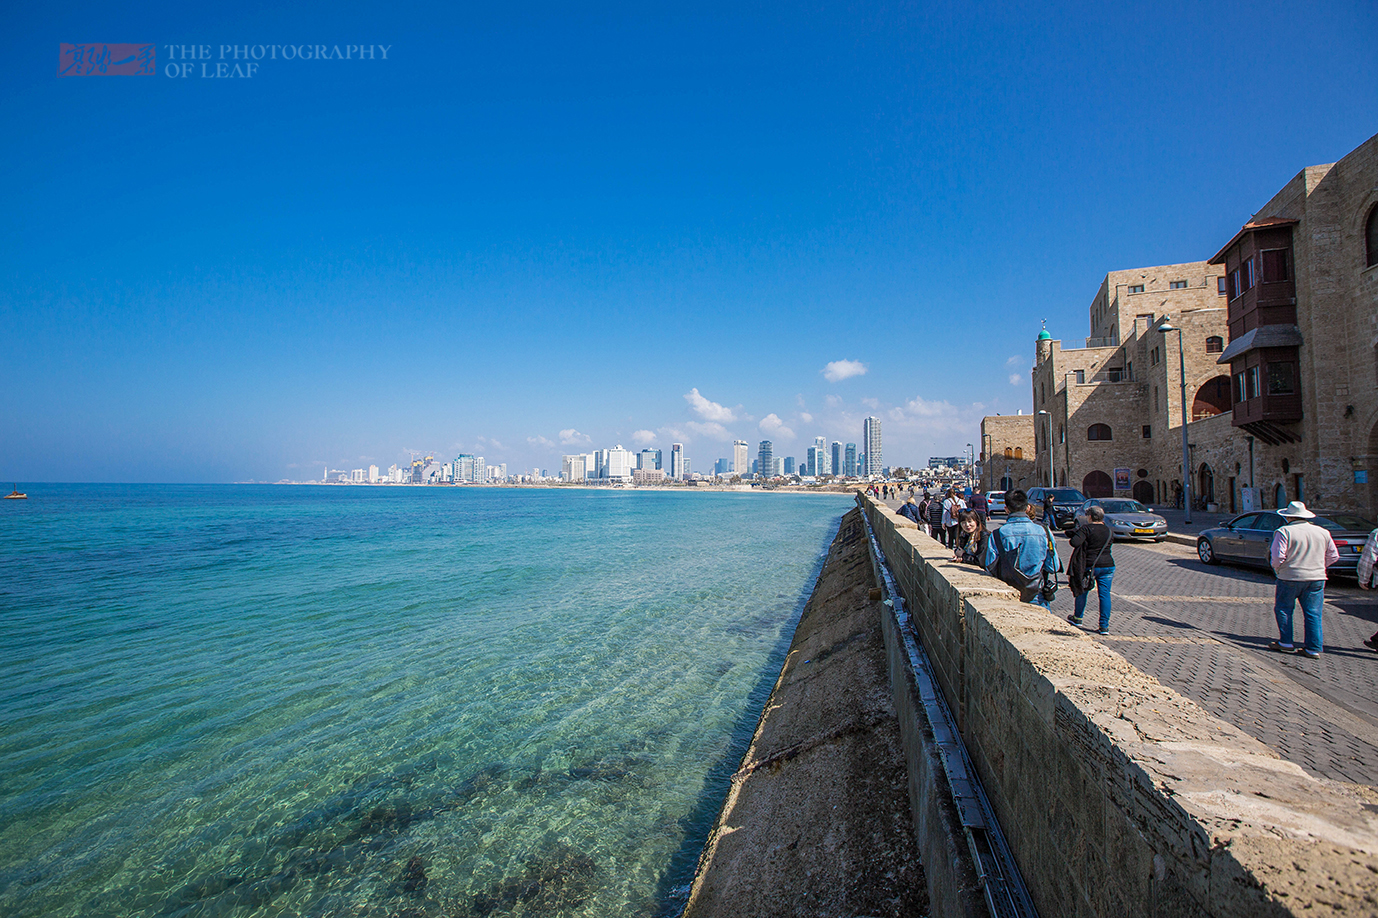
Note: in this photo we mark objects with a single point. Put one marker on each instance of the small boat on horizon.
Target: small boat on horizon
(16, 494)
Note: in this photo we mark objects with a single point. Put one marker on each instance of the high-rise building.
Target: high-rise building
(572, 467)
(821, 467)
(849, 461)
(676, 460)
(739, 457)
(812, 460)
(835, 459)
(789, 465)
(619, 463)
(779, 466)
(765, 455)
(722, 467)
(870, 434)
(372, 474)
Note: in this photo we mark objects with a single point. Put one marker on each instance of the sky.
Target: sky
(536, 229)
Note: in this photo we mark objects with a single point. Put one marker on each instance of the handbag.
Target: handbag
(1088, 576)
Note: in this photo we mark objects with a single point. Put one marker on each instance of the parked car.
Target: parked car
(1127, 519)
(1246, 539)
(995, 502)
(1066, 503)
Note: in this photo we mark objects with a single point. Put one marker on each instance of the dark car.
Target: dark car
(1066, 503)
(1246, 539)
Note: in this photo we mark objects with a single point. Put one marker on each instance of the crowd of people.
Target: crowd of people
(1021, 554)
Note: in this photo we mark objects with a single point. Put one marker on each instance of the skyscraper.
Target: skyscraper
(789, 465)
(676, 460)
(835, 463)
(739, 457)
(849, 461)
(821, 467)
(766, 457)
(870, 435)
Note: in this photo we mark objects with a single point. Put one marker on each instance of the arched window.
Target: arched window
(1009, 453)
(1215, 344)
(1098, 432)
(1019, 452)
(1371, 236)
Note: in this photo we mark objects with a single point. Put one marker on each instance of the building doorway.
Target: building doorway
(1098, 484)
(1143, 492)
(1206, 482)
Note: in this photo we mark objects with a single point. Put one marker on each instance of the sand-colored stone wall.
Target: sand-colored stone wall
(1118, 795)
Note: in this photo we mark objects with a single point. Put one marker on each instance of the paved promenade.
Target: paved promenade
(1204, 631)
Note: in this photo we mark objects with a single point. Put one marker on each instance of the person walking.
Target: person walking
(951, 506)
(979, 503)
(1300, 553)
(935, 519)
(910, 511)
(1091, 565)
(1367, 561)
(1020, 552)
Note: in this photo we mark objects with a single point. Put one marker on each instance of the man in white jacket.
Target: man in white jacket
(1300, 553)
(1366, 571)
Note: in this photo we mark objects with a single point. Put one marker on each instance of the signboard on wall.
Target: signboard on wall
(1121, 479)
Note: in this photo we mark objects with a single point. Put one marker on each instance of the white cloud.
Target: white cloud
(799, 400)
(839, 370)
(1016, 379)
(643, 437)
(872, 403)
(709, 410)
(806, 417)
(833, 401)
(771, 424)
(708, 429)
(1015, 361)
(572, 437)
(540, 441)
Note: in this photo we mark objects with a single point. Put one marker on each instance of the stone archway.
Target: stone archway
(1098, 484)
(1212, 398)
(1205, 485)
(1143, 492)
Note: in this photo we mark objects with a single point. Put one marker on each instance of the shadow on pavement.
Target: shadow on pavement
(1249, 574)
(1170, 622)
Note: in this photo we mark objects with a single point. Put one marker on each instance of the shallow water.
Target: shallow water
(263, 700)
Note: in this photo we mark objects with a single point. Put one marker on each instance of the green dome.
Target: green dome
(1044, 336)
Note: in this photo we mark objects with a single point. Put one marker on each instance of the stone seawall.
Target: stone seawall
(1118, 796)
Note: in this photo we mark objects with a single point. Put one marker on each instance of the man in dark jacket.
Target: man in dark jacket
(1091, 554)
(910, 510)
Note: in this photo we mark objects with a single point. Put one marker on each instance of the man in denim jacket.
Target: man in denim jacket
(1036, 554)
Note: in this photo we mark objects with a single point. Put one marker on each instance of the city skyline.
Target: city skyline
(565, 227)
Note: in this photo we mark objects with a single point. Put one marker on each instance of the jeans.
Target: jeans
(1103, 577)
(1311, 595)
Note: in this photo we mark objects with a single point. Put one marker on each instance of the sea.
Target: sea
(263, 700)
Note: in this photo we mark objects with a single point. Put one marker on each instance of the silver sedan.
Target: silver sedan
(1127, 519)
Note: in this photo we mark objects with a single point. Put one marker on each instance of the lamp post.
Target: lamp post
(971, 466)
(1049, 441)
(1186, 457)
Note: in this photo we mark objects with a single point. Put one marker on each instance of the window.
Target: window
(1251, 384)
(1155, 398)
(1276, 266)
(1215, 344)
(1129, 370)
(1009, 453)
(1061, 434)
(1281, 378)
(1019, 452)
(1153, 357)
(1235, 289)
(1113, 373)
(1136, 288)
(1239, 387)
(1177, 285)
(1081, 377)
(1042, 394)
(1148, 433)
(1098, 432)
(1220, 285)
(1371, 236)
(1249, 273)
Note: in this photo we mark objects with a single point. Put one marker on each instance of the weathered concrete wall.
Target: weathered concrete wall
(1119, 796)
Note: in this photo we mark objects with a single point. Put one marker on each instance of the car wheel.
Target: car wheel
(1205, 552)
(1159, 538)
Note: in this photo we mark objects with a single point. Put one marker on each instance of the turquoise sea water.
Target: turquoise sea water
(270, 700)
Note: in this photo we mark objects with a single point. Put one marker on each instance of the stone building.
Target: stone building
(1108, 409)
(1279, 339)
(1302, 278)
(1007, 453)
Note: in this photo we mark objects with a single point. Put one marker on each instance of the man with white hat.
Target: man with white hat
(1300, 553)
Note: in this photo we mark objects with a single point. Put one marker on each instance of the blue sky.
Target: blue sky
(541, 228)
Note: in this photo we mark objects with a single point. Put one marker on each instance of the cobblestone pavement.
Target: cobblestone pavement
(1204, 631)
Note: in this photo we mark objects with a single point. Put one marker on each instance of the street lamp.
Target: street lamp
(971, 467)
(1166, 327)
(1050, 445)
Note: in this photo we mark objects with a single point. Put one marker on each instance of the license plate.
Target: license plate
(1143, 532)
